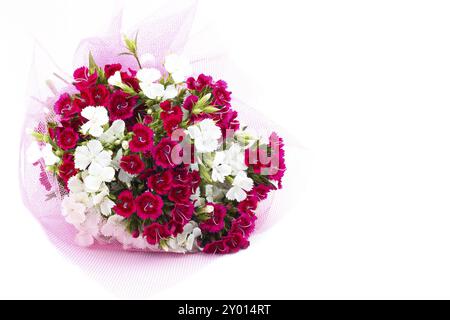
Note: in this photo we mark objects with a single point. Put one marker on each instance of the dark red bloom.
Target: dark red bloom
(64, 106)
(248, 205)
(171, 123)
(244, 225)
(216, 222)
(148, 119)
(67, 168)
(181, 176)
(174, 228)
(142, 140)
(132, 164)
(261, 191)
(216, 247)
(75, 123)
(182, 213)
(149, 206)
(125, 205)
(130, 80)
(235, 242)
(180, 194)
(165, 105)
(110, 69)
(189, 102)
(121, 105)
(155, 232)
(160, 182)
(67, 138)
(195, 180)
(83, 79)
(199, 83)
(222, 97)
(167, 153)
(96, 95)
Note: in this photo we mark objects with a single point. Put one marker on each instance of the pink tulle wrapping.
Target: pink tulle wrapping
(115, 268)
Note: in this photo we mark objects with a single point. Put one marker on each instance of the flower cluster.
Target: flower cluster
(156, 160)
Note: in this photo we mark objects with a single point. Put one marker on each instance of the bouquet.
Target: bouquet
(154, 159)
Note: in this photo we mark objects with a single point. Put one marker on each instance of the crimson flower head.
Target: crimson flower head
(155, 232)
(216, 247)
(83, 79)
(160, 182)
(149, 206)
(189, 102)
(180, 194)
(182, 213)
(96, 95)
(162, 153)
(67, 138)
(121, 105)
(143, 138)
(67, 168)
(125, 205)
(216, 222)
(132, 164)
(110, 69)
(64, 106)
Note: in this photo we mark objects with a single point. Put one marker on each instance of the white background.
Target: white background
(363, 85)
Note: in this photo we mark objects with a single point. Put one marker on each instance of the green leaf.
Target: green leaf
(92, 65)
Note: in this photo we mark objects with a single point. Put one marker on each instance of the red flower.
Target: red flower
(174, 113)
(261, 191)
(222, 97)
(189, 103)
(181, 177)
(96, 96)
(180, 194)
(110, 69)
(74, 123)
(216, 247)
(64, 106)
(235, 242)
(182, 213)
(148, 119)
(130, 80)
(143, 138)
(171, 123)
(244, 225)
(83, 79)
(248, 205)
(171, 116)
(125, 205)
(160, 182)
(121, 105)
(201, 82)
(165, 105)
(164, 151)
(67, 138)
(216, 222)
(149, 206)
(67, 168)
(155, 232)
(132, 164)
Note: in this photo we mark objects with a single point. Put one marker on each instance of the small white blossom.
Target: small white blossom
(97, 118)
(185, 241)
(92, 152)
(73, 208)
(148, 75)
(241, 184)
(115, 80)
(235, 158)
(49, 157)
(115, 132)
(220, 169)
(88, 230)
(97, 175)
(157, 90)
(206, 135)
(178, 66)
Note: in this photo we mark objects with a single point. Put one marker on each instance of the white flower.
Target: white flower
(125, 145)
(157, 90)
(115, 132)
(235, 158)
(49, 156)
(148, 75)
(241, 183)
(88, 230)
(186, 240)
(220, 169)
(197, 199)
(115, 79)
(92, 152)
(97, 175)
(73, 209)
(178, 67)
(75, 184)
(102, 202)
(123, 176)
(213, 193)
(97, 117)
(206, 135)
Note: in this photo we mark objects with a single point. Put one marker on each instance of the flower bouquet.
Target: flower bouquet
(154, 158)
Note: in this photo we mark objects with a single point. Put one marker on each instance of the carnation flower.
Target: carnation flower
(142, 139)
(206, 135)
(248, 205)
(178, 67)
(182, 213)
(216, 221)
(160, 182)
(218, 247)
(97, 175)
(115, 132)
(220, 168)
(149, 206)
(186, 239)
(222, 97)
(155, 232)
(198, 84)
(125, 205)
(83, 79)
(96, 96)
(73, 208)
(121, 105)
(49, 157)
(115, 79)
(64, 106)
(244, 225)
(189, 102)
(67, 138)
(235, 242)
(180, 194)
(92, 152)
(148, 75)
(97, 117)
(67, 169)
(132, 164)
(241, 183)
(165, 152)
